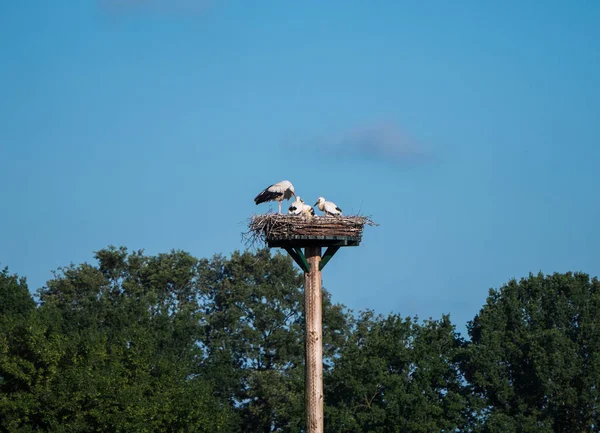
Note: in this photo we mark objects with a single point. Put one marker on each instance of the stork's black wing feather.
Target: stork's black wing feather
(266, 195)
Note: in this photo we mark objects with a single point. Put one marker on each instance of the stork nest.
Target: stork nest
(263, 228)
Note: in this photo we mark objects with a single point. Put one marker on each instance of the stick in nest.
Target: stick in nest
(280, 226)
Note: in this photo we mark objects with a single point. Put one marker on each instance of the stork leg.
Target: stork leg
(280, 206)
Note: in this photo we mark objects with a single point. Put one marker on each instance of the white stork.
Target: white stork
(328, 207)
(300, 208)
(296, 206)
(280, 191)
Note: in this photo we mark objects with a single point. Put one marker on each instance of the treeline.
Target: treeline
(172, 343)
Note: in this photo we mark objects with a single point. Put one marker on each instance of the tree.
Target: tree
(28, 355)
(15, 299)
(395, 375)
(164, 343)
(113, 348)
(534, 357)
(254, 336)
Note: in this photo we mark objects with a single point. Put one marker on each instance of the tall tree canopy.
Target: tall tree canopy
(160, 343)
(114, 348)
(535, 355)
(172, 343)
(395, 375)
(253, 334)
(17, 362)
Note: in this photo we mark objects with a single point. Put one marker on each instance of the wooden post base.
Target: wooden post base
(314, 342)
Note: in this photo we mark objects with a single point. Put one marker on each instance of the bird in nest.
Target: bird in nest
(328, 207)
(278, 192)
(300, 208)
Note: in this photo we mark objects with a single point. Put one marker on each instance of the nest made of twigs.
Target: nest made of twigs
(263, 228)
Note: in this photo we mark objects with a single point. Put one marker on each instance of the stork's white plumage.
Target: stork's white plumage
(300, 208)
(307, 211)
(328, 207)
(279, 191)
(296, 206)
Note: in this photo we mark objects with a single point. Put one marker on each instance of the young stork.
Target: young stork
(299, 208)
(296, 206)
(328, 207)
(279, 191)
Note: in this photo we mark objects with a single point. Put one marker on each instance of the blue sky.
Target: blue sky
(470, 131)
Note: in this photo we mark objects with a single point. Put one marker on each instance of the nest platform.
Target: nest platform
(280, 230)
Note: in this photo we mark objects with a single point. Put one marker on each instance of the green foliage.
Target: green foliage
(253, 332)
(28, 355)
(112, 348)
(163, 343)
(15, 300)
(172, 343)
(535, 355)
(395, 375)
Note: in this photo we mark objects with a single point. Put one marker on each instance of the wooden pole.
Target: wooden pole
(314, 342)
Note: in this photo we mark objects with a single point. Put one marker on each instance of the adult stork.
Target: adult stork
(300, 208)
(328, 207)
(279, 191)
